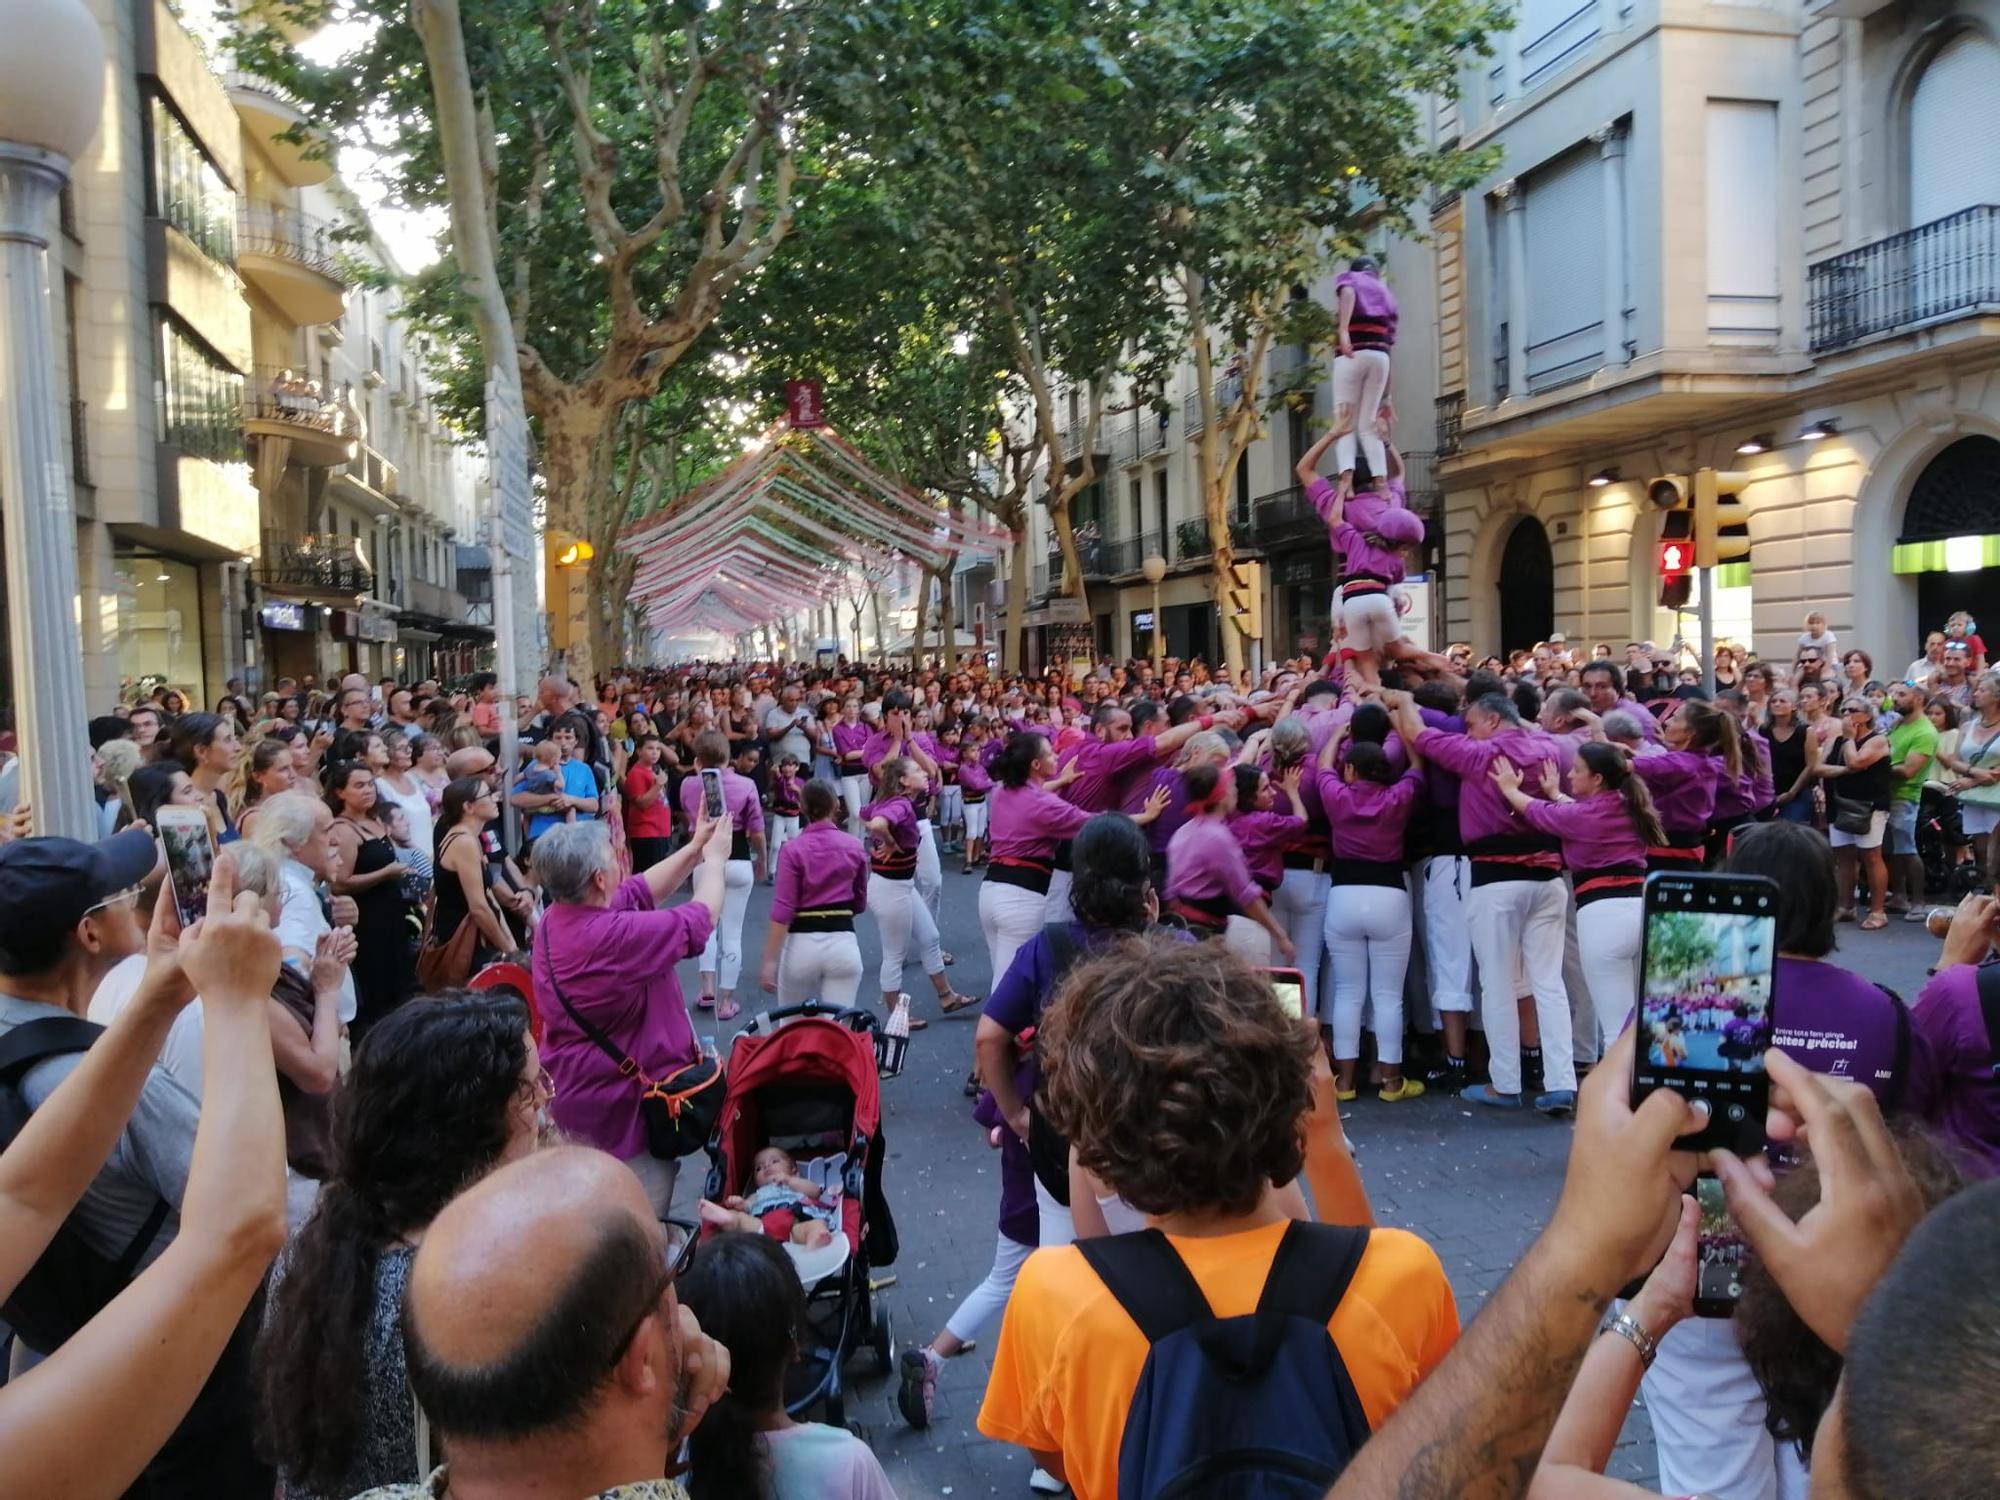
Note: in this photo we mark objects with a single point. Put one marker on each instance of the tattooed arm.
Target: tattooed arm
(1475, 1429)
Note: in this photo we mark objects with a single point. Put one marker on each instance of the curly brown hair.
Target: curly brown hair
(1179, 1079)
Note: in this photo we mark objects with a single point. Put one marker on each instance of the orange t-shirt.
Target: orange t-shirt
(1069, 1357)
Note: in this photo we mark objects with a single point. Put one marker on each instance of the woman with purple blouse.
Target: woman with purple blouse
(1367, 312)
(1368, 918)
(1264, 833)
(1027, 820)
(743, 810)
(900, 914)
(1208, 879)
(1605, 826)
(811, 952)
(850, 737)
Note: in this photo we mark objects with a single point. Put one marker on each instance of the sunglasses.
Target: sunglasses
(128, 898)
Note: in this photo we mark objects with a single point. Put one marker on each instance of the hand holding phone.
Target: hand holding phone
(1290, 987)
(190, 853)
(1706, 1008)
(711, 792)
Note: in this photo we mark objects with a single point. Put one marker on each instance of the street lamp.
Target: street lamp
(1155, 569)
(51, 94)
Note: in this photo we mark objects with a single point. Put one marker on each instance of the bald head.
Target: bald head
(528, 1295)
(555, 693)
(472, 760)
(354, 682)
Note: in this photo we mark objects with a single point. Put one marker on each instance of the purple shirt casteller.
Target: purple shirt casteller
(1027, 822)
(1368, 819)
(1948, 1017)
(615, 964)
(1372, 298)
(1378, 517)
(822, 867)
(1835, 1022)
(1105, 772)
(1596, 833)
(740, 803)
(1205, 863)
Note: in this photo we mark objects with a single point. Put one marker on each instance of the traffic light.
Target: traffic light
(1721, 520)
(1243, 598)
(1676, 558)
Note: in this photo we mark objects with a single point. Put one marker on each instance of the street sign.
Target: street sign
(1066, 610)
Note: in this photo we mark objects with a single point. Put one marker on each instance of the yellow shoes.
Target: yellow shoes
(1409, 1088)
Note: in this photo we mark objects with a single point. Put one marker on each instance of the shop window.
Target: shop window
(159, 627)
(188, 192)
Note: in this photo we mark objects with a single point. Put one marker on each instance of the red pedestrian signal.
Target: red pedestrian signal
(1675, 559)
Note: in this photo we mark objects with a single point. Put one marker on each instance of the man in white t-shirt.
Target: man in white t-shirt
(785, 725)
(299, 830)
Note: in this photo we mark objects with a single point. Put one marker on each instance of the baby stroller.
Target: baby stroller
(1941, 841)
(802, 1078)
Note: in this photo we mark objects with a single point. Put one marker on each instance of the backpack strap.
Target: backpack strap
(1314, 1267)
(1150, 1281)
(1899, 1067)
(1988, 979)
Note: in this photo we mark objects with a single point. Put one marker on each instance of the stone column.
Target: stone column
(1515, 206)
(1611, 149)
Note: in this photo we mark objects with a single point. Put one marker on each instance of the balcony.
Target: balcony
(291, 258)
(1937, 272)
(1450, 423)
(421, 597)
(285, 405)
(1124, 556)
(314, 565)
(279, 124)
(1191, 543)
(368, 480)
(1284, 517)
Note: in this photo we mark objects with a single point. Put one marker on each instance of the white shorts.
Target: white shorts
(1872, 839)
(1369, 621)
(1977, 818)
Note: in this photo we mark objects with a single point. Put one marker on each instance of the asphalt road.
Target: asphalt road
(1477, 1187)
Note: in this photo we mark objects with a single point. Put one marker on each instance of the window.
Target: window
(1565, 268)
(159, 625)
(188, 192)
(200, 398)
(1954, 114)
(1138, 508)
(1742, 230)
(1160, 504)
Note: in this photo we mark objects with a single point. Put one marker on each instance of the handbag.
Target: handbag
(1852, 814)
(679, 1111)
(448, 965)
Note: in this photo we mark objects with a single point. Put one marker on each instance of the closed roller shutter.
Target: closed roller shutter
(1565, 234)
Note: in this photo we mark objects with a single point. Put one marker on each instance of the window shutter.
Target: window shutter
(1565, 271)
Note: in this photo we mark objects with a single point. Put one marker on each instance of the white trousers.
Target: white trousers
(1243, 936)
(986, 1301)
(902, 918)
(930, 872)
(1447, 947)
(1368, 940)
(1584, 1045)
(1708, 1420)
(854, 792)
(819, 966)
(1360, 380)
(784, 828)
(1056, 907)
(1008, 916)
(723, 956)
(1299, 904)
(1607, 940)
(975, 820)
(1517, 927)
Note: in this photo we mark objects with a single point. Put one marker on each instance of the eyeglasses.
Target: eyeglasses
(128, 898)
(682, 1237)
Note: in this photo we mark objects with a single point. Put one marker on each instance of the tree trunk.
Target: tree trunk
(947, 625)
(923, 614)
(875, 607)
(1017, 603)
(573, 433)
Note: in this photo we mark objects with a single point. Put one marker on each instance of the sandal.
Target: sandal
(704, 1002)
(1874, 922)
(1845, 914)
(953, 1003)
(729, 1010)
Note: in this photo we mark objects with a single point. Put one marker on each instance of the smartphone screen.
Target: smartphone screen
(711, 791)
(1720, 1251)
(1290, 987)
(1705, 1001)
(190, 859)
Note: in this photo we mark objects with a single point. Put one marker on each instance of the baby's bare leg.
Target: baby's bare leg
(810, 1233)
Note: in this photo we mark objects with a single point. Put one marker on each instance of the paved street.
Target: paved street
(1476, 1189)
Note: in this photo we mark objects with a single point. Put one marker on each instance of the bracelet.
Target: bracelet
(1629, 1329)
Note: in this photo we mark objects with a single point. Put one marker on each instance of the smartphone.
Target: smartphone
(711, 791)
(1706, 1008)
(190, 859)
(1720, 1251)
(1290, 986)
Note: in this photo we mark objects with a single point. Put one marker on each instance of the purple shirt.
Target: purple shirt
(1385, 517)
(1683, 784)
(1264, 837)
(1648, 725)
(1368, 819)
(1372, 299)
(1948, 1018)
(1751, 789)
(1106, 772)
(616, 967)
(1835, 1022)
(849, 740)
(1358, 554)
(824, 866)
(1205, 863)
(973, 776)
(1160, 832)
(1482, 812)
(739, 801)
(1027, 822)
(1596, 833)
(901, 818)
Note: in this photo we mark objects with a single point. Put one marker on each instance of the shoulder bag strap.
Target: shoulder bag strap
(1988, 979)
(1150, 1281)
(598, 1039)
(29, 1043)
(1899, 1067)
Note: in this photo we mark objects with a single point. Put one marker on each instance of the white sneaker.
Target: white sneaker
(1042, 1482)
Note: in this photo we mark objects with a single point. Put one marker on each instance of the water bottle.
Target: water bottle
(709, 1050)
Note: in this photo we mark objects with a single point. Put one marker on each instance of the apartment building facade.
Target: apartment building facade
(1760, 237)
(262, 485)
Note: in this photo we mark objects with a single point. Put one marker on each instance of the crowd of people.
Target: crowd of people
(365, 1182)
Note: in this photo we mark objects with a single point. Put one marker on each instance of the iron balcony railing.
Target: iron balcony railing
(1501, 361)
(285, 395)
(330, 563)
(1128, 554)
(1947, 268)
(1191, 541)
(1450, 423)
(1284, 516)
(267, 229)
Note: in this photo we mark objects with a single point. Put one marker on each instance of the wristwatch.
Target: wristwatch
(1629, 1328)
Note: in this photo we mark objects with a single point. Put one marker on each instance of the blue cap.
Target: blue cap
(47, 884)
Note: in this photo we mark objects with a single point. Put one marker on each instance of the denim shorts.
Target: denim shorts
(1903, 826)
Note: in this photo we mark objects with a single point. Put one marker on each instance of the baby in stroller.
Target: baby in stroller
(785, 1205)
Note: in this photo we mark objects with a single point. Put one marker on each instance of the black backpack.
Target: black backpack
(72, 1281)
(1258, 1407)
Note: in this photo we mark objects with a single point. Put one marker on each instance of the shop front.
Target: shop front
(160, 625)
